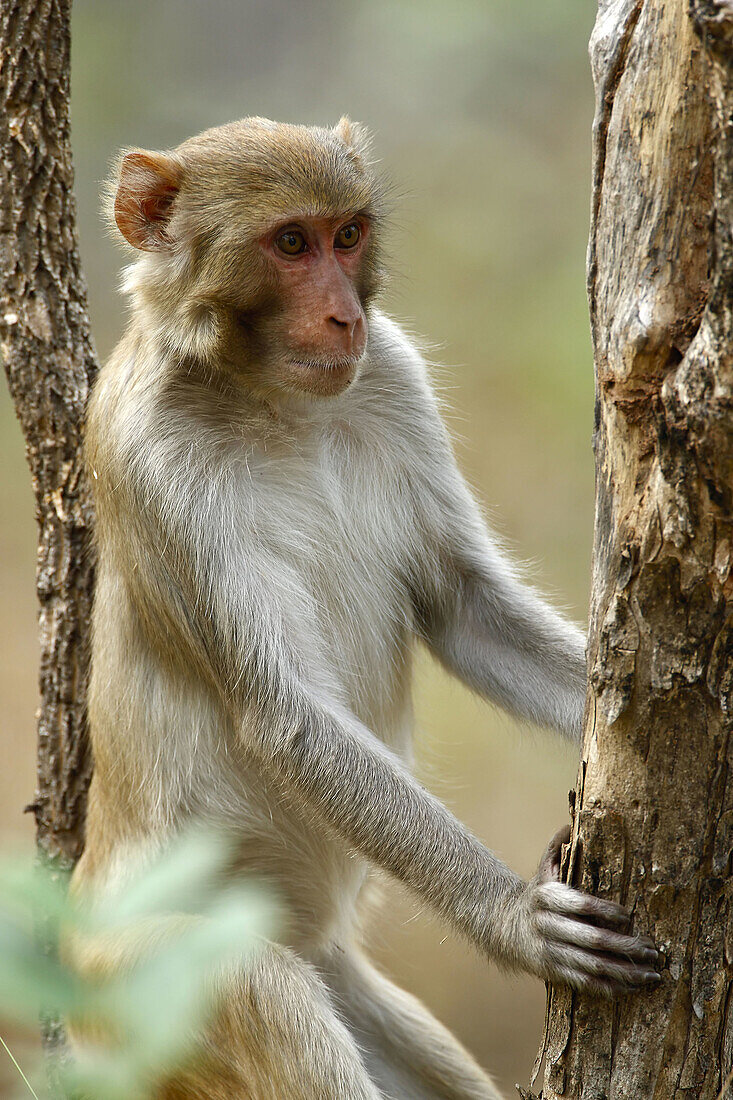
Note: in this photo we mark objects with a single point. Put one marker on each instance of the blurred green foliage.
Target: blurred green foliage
(157, 1004)
(481, 111)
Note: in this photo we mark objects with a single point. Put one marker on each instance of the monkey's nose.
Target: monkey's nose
(344, 326)
(348, 332)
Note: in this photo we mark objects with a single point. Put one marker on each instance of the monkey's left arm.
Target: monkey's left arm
(485, 625)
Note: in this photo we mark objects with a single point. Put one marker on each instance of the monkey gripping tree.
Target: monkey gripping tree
(653, 810)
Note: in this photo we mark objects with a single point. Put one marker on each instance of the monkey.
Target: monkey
(279, 521)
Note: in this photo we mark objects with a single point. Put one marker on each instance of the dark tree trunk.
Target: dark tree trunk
(50, 363)
(653, 820)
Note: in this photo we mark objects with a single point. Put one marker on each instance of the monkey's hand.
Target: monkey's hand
(572, 938)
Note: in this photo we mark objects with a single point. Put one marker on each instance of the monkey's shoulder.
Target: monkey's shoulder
(395, 395)
(396, 356)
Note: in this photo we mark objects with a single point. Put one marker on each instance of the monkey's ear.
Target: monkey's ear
(353, 134)
(147, 184)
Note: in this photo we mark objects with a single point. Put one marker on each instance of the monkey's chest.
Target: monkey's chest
(339, 547)
(361, 626)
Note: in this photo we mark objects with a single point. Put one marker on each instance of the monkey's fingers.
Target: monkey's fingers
(586, 969)
(570, 930)
(559, 898)
(597, 987)
(550, 863)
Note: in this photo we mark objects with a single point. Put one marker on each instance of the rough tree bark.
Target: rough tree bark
(653, 814)
(50, 363)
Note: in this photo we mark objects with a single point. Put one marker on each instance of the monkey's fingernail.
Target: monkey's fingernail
(651, 977)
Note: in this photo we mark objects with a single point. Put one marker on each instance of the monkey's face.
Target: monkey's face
(265, 242)
(317, 333)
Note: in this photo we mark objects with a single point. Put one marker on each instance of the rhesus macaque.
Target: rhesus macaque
(279, 518)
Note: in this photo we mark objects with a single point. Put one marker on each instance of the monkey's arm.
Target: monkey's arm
(483, 623)
(205, 597)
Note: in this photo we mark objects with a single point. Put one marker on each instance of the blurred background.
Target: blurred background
(481, 111)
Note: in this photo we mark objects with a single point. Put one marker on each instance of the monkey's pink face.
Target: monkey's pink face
(318, 263)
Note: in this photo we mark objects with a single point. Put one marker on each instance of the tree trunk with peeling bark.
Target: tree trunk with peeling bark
(50, 363)
(653, 812)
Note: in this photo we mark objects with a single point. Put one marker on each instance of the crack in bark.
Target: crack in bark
(600, 128)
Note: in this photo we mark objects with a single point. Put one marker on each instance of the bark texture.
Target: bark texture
(50, 363)
(653, 812)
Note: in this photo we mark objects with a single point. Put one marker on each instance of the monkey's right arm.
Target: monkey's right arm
(204, 596)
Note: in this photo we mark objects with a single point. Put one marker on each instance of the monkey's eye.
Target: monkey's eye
(291, 242)
(348, 236)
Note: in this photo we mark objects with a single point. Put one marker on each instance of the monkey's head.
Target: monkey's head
(257, 250)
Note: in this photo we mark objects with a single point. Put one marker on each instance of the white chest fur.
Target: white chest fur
(332, 539)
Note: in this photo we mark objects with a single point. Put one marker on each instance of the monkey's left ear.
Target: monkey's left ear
(354, 135)
(146, 187)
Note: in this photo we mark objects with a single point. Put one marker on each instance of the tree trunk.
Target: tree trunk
(50, 363)
(653, 814)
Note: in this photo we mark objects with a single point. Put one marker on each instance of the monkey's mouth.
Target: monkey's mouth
(337, 366)
(326, 377)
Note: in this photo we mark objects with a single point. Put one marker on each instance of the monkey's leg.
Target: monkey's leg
(275, 1037)
(407, 1052)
